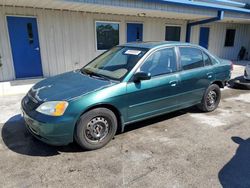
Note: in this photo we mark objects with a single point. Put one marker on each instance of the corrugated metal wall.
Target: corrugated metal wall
(217, 39)
(67, 39)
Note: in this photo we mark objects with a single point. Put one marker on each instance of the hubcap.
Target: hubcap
(211, 98)
(97, 129)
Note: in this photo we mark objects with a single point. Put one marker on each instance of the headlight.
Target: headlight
(53, 108)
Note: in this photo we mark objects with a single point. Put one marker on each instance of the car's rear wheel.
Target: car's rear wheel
(95, 128)
(211, 99)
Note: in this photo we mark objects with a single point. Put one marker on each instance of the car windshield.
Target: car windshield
(116, 63)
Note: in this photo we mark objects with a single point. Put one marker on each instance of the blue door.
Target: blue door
(204, 37)
(25, 46)
(134, 32)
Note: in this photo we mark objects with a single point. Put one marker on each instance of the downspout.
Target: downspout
(220, 16)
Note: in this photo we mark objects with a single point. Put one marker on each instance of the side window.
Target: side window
(191, 58)
(207, 59)
(160, 62)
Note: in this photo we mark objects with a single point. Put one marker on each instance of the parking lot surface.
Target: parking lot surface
(186, 148)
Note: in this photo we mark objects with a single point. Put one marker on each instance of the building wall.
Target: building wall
(67, 39)
(217, 39)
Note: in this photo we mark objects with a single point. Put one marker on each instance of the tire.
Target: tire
(211, 99)
(95, 128)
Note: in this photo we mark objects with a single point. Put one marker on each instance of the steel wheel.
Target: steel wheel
(97, 129)
(211, 99)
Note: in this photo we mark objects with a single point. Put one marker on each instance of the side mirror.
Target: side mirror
(141, 76)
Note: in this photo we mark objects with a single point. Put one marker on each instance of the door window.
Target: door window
(191, 58)
(160, 62)
(30, 33)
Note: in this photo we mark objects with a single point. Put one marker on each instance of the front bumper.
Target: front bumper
(246, 76)
(54, 134)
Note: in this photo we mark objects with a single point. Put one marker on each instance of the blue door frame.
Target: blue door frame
(25, 47)
(134, 32)
(204, 37)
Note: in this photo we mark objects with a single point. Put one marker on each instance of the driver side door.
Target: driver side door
(157, 95)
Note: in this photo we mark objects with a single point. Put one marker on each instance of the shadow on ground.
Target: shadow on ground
(17, 138)
(236, 173)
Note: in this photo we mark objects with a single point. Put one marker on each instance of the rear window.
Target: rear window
(191, 58)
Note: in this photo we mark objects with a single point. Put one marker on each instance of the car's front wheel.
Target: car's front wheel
(95, 128)
(211, 99)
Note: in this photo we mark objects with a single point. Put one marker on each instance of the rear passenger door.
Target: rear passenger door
(194, 78)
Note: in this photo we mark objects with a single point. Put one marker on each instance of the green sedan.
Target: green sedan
(126, 84)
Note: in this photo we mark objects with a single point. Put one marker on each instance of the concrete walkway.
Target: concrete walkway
(16, 87)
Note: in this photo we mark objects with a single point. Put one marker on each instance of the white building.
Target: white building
(48, 37)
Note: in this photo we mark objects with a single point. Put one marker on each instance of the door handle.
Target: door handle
(210, 75)
(37, 49)
(173, 83)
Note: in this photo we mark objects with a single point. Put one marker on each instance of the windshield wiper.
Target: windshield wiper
(90, 73)
(99, 76)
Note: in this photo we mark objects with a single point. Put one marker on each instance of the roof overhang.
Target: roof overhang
(172, 9)
(109, 8)
(203, 5)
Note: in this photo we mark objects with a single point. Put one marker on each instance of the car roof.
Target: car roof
(155, 44)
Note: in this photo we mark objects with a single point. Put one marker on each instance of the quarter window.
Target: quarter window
(230, 37)
(160, 62)
(173, 33)
(107, 35)
(207, 59)
(191, 58)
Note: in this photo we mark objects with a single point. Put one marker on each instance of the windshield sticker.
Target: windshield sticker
(132, 52)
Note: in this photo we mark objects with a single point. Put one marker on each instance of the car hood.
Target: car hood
(67, 86)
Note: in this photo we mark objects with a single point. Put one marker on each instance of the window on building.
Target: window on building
(173, 33)
(30, 33)
(107, 35)
(160, 62)
(191, 58)
(230, 37)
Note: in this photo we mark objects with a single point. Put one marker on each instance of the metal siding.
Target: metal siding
(217, 38)
(7, 68)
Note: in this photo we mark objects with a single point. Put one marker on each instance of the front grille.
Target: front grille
(29, 103)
